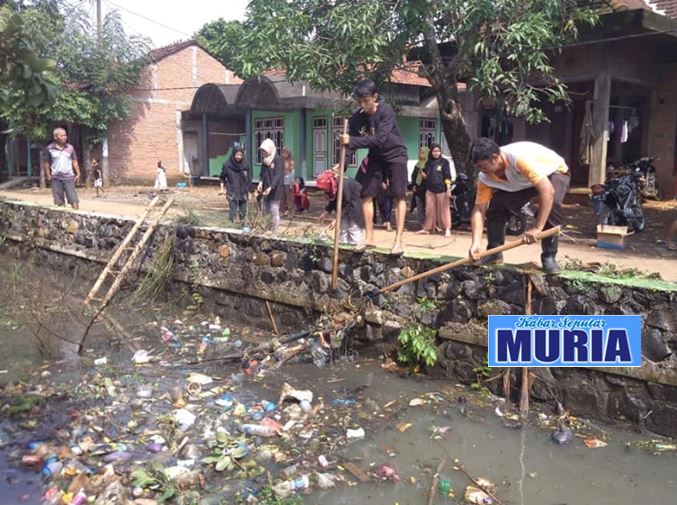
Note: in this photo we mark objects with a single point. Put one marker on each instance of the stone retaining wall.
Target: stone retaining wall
(297, 274)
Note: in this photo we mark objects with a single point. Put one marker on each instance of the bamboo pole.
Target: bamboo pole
(118, 252)
(339, 208)
(117, 283)
(524, 396)
(464, 261)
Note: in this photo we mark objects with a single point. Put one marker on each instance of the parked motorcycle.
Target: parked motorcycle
(618, 202)
(647, 181)
(462, 201)
(521, 220)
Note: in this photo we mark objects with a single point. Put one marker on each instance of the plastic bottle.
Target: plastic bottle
(444, 486)
(343, 402)
(289, 487)
(320, 356)
(51, 467)
(268, 406)
(226, 401)
(291, 471)
(258, 430)
(79, 499)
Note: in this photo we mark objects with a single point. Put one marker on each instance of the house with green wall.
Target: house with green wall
(296, 116)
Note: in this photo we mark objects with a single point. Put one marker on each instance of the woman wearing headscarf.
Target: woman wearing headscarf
(437, 177)
(271, 182)
(419, 186)
(235, 179)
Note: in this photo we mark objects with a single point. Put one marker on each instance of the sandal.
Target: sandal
(397, 252)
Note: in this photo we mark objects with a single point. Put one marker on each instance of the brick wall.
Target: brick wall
(152, 132)
(662, 128)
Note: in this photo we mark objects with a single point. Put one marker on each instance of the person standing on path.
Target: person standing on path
(418, 185)
(374, 126)
(235, 183)
(271, 184)
(97, 176)
(508, 177)
(437, 177)
(160, 178)
(288, 194)
(62, 169)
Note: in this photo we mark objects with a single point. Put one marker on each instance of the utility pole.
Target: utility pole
(105, 169)
(98, 19)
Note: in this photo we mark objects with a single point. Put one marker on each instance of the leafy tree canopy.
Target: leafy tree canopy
(93, 73)
(20, 66)
(500, 48)
(220, 38)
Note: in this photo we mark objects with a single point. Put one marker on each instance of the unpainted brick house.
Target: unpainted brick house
(153, 131)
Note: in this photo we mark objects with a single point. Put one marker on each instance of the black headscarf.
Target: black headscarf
(237, 166)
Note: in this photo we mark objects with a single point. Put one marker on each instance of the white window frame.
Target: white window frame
(336, 132)
(268, 128)
(427, 132)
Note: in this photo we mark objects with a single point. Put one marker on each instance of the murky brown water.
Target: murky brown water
(525, 464)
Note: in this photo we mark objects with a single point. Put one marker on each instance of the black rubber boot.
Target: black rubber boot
(495, 238)
(549, 255)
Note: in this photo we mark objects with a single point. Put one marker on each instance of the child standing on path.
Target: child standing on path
(97, 175)
(160, 178)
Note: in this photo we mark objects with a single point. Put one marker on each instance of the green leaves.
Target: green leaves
(82, 79)
(417, 346)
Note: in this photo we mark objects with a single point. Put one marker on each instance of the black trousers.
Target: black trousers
(504, 202)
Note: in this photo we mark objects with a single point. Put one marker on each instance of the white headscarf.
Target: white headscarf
(269, 147)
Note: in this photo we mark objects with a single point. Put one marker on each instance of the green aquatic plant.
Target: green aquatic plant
(417, 346)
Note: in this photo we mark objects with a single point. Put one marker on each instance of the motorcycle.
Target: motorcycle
(618, 202)
(462, 201)
(647, 181)
(519, 221)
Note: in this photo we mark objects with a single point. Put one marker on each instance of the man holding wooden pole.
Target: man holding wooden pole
(374, 126)
(509, 176)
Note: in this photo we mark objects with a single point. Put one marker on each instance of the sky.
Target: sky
(167, 21)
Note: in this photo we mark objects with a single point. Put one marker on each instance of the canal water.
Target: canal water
(410, 424)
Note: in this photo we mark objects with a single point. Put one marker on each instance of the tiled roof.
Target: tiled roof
(664, 7)
(409, 75)
(163, 52)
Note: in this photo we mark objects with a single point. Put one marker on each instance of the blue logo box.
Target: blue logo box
(565, 341)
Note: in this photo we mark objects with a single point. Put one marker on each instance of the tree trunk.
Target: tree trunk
(86, 164)
(453, 125)
(443, 81)
(3, 160)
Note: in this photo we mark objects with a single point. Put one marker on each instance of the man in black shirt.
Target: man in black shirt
(374, 126)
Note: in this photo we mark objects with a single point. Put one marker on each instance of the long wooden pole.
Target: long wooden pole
(118, 252)
(339, 208)
(524, 396)
(464, 261)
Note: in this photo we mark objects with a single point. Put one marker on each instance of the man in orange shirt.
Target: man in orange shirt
(508, 177)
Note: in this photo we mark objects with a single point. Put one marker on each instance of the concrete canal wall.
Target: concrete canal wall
(296, 276)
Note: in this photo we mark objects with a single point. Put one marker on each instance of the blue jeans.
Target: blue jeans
(237, 207)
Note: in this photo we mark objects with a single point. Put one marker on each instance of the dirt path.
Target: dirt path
(646, 251)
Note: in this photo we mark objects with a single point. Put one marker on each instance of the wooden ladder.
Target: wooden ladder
(113, 267)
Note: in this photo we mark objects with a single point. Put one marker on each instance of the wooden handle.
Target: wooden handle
(464, 261)
(339, 208)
